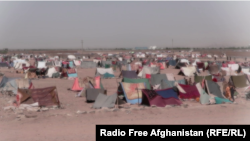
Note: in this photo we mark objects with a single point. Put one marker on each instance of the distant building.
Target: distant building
(152, 47)
(141, 48)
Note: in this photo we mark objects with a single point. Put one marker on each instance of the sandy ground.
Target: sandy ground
(66, 124)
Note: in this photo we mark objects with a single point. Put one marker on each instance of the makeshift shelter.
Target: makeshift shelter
(133, 92)
(151, 98)
(51, 71)
(213, 88)
(45, 96)
(103, 100)
(3, 65)
(91, 94)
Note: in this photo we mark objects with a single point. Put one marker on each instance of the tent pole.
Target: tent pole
(117, 95)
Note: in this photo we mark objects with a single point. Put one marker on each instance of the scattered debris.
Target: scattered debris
(81, 112)
(91, 112)
(30, 115)
(9, 108)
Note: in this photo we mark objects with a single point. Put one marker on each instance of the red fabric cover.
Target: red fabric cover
(191, 92)
(214, 79)
(97, 82)
(148, 76)
(76, 86)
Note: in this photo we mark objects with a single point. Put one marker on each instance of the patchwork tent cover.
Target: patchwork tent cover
(191, 92)
(103, 100)
(139, 80)
(91, 94)
(129, 74)
(131, 93)
(198, 79)
(45, 96)
(88, 64)
(150, 97)
(214, 89)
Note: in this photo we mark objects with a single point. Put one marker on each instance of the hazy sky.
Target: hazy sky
(123, 24)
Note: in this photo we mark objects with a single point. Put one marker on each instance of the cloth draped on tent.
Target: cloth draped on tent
(191, 92)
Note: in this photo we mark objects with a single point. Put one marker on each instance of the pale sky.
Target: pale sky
(26, 25)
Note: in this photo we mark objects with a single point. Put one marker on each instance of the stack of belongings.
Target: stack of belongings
(53, 72)
(105, 73)
(179, 65)
(41, 69)
(36, 98)
(31, 73)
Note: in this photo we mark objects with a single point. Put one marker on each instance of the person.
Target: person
(229, 92)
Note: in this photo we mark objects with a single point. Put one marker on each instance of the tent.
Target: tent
(45, 96)
(91, 94)
(139, 80)
(103, 100)
(150, 97)
(72, 72)
(157, 78)
(204, 97)
(213, 88)
(51, 71)
(133, 92)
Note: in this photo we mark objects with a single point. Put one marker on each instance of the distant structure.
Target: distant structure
(141, 48)
(152, 47)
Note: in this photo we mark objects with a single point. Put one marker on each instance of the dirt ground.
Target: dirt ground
(65, 124)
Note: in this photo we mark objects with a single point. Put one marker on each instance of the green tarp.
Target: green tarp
(239, 81)
(108, 75)
(140, 80)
